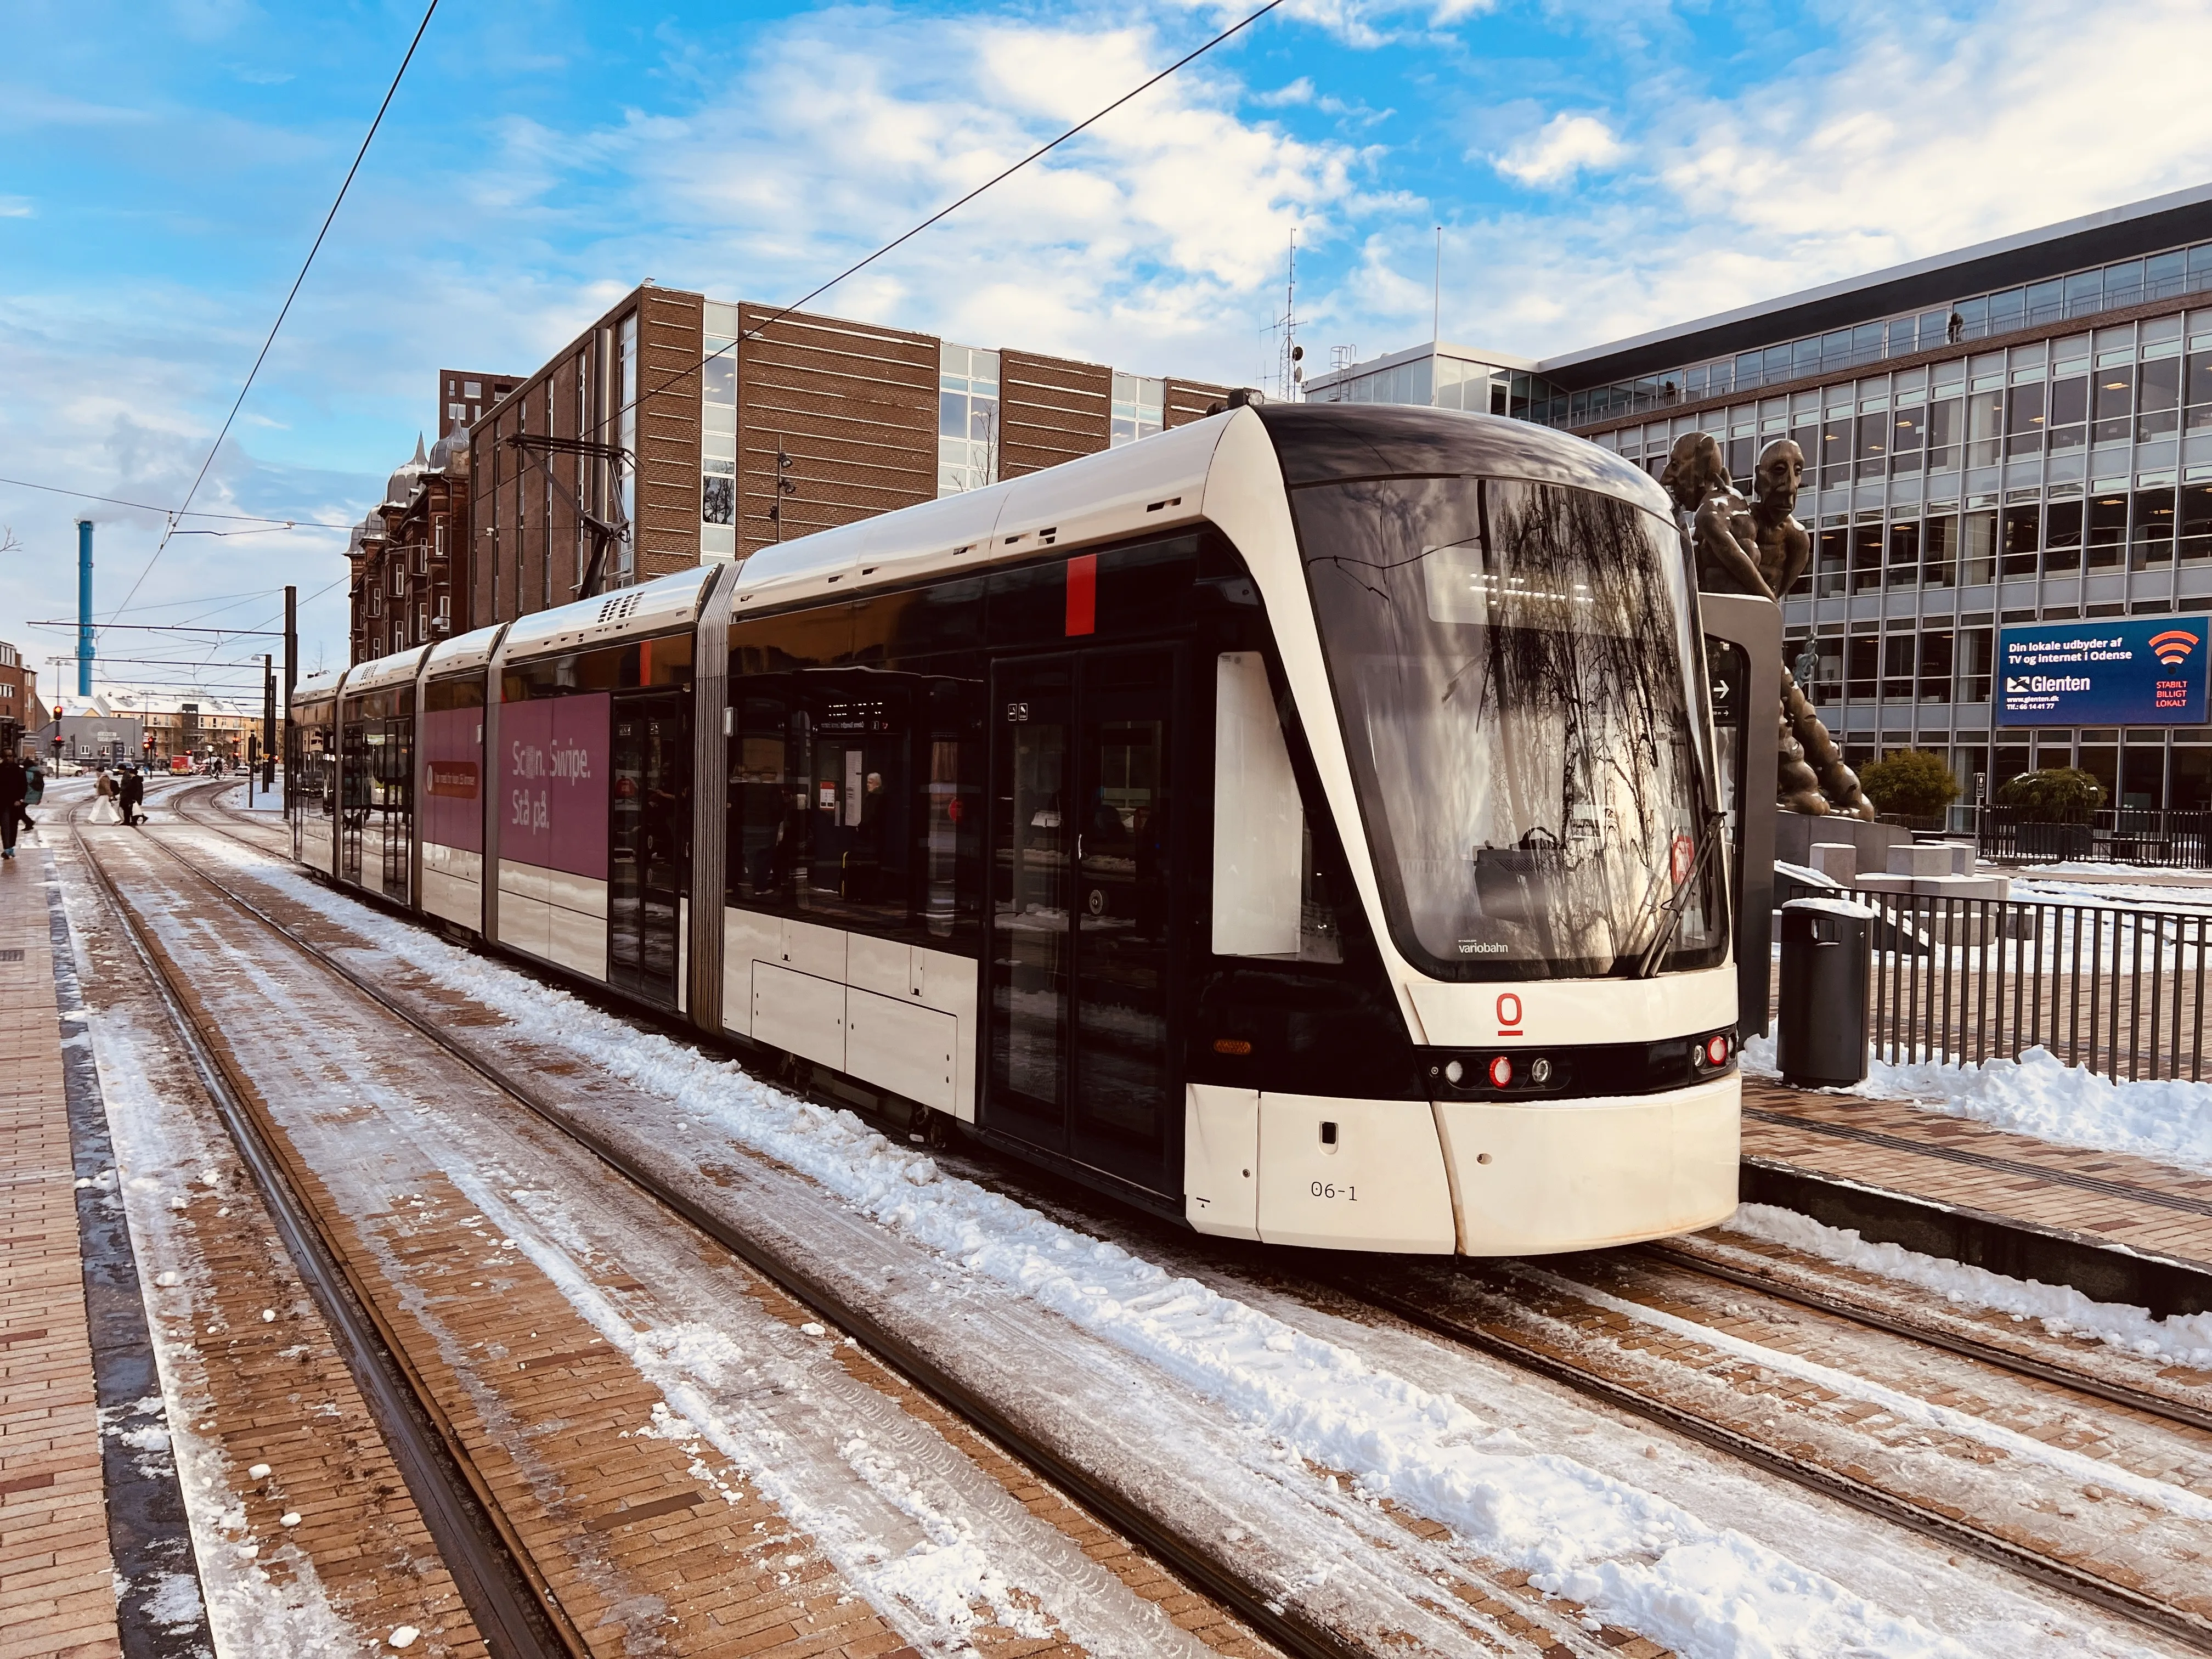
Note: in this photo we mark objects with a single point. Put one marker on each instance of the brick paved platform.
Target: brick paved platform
(56, 1582)
(2119, 1227)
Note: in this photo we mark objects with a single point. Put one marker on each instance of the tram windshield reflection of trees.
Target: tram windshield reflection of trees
(856, 797)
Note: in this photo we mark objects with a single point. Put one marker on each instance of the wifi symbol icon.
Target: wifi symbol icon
(2173, 647)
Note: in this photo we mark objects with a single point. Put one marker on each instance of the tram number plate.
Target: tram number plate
(1330, 1189)
(1018, 713)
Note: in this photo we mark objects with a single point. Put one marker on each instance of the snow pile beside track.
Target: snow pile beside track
(1633, 1559)
(2040, 1095)
(2185, 1339)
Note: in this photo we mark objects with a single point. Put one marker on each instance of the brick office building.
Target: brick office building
(18, 687)
(812, 421)
(409, 584)
(463, 395)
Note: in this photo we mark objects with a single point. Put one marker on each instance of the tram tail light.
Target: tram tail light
(1712, 1053)
(1501, 1071)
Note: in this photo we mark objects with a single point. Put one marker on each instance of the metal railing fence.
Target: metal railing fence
(2126, 834)
(2120, 991)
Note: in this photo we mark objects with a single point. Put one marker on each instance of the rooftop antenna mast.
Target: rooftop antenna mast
(1291, 374)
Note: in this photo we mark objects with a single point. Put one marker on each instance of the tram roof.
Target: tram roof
(1322, 443)
(465, 651)
(397, 669)
(324, 684)
(1160, 483)
(654, 607)
(1156, 484)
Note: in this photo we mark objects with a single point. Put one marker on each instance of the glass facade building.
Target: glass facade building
(2037, 450)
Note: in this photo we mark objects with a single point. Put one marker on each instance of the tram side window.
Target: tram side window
(760, 800)
(1270, 900)
(314, 777)
(856, 799)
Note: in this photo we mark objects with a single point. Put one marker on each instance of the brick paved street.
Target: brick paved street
(57, 1593)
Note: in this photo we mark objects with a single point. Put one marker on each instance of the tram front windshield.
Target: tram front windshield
(1512, 663)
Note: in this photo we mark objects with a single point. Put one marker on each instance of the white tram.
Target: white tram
(1301, 824)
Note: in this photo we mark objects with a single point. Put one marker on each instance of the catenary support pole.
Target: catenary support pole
(84, 607)
(267, 722)
(291, 669)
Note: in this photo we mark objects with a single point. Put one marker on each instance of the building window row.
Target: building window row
(1140, 409)
(2085, 293)
(967, 418)
(718, 436)
(1441, 381)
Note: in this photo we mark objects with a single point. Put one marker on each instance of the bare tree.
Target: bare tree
(8, 541)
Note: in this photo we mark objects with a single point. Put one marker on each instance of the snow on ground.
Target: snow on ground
(2159, 895)
(1634, 1559)
(264, 800)
(2039, 1095)
(2059, 1309)
(163, 1155)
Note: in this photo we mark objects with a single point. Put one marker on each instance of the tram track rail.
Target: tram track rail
(514, 1610)
(1998, 1358)
(2047, 1571)
(1282, 1625)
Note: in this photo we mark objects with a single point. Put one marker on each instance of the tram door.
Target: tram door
(1080, 1061)
(353, 796)
(391, 761)
(649, 842)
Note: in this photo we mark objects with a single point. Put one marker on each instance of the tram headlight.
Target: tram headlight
(1454, 1072)
(1539, 1072)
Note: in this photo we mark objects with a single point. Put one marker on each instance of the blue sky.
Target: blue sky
(1598, 166)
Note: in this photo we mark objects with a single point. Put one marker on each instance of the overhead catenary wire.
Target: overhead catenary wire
(149, 507)
(951, 208)
(285, 310)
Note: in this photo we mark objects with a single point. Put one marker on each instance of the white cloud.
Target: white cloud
(1145, 241)
(1914, 135)
(1564, 146)
(14, 207)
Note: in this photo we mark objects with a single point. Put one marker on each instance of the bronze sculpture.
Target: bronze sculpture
(1760, 549)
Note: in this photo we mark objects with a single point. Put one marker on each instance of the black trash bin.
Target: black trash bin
(1821, 1036)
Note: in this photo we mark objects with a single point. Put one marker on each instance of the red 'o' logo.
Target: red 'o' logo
(1508, 1010)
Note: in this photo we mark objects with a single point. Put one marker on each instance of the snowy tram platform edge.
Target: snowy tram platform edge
(2117, 1227)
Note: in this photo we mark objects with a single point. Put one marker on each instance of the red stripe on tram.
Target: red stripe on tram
(1083, 594)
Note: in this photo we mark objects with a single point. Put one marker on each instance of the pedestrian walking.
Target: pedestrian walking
(106, 790)
(133, 794)
(14, 781)
(34, 791)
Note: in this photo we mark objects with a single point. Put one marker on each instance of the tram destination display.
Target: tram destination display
(2134, 670)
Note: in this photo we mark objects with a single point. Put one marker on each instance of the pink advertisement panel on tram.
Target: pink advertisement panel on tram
(554, 766)
(453, 785)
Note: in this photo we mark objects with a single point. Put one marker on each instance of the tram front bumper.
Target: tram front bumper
(1576, 1174)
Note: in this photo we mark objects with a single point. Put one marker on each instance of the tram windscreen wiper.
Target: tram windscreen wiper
(1656, 952)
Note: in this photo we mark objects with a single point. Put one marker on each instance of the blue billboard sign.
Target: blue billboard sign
(2114, 671)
